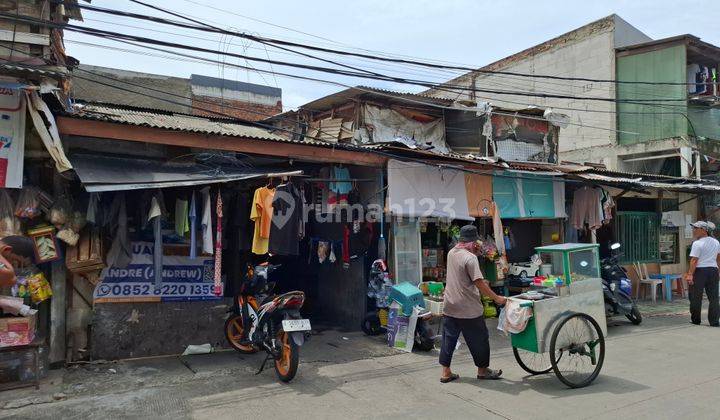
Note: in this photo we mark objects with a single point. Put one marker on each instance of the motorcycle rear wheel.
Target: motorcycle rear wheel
(634, 316)
(287, 364)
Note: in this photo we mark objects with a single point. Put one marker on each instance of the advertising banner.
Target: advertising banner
(183, 279)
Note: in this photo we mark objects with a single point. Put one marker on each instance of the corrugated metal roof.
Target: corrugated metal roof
(172, 121)
(684, 187)
(335, 99)
(56, 71)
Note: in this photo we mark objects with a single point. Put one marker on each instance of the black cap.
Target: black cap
(469, 233)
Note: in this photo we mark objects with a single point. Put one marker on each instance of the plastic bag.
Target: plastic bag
(28, 205)
(69, 236)
(490, 311)
(501, 321)
(77, 222)
(61, 212)
(9, 224)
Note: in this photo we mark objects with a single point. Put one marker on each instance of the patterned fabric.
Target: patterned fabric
(218, 247)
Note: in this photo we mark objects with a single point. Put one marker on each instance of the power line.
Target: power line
(126, 37)
(339, 52)
(381, 93)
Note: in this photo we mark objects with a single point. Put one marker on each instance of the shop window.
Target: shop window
(639, 235)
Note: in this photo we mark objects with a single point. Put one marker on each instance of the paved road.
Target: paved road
(665, 368)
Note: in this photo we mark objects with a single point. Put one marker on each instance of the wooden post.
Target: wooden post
(58, 302)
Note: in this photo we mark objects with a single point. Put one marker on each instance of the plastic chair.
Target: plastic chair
(642, 271)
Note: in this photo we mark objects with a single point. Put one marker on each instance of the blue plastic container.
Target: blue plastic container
(408, 296)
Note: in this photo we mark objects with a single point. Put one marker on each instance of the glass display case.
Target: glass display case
(406, 251)
(571, 262)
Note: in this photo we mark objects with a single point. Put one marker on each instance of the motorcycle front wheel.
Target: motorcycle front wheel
(286, 364)
(371, 324)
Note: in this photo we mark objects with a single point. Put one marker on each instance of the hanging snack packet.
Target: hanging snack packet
(39, 287)
(9, 224)
(28, 206)
(61, 212)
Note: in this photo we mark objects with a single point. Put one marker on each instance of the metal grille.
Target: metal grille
(639, 235)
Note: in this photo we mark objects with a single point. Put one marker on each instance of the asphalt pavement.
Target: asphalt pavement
(664, 368)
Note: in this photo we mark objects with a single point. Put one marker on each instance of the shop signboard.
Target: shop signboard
(183, 279)
(12, 135)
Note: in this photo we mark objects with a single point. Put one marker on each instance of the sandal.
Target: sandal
(452, 377)
(491, 374)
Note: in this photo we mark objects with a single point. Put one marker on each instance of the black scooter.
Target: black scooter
(617, 300)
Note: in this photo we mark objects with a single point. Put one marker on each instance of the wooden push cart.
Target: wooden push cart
(566, 333)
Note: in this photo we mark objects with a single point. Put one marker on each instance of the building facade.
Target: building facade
(587, 52)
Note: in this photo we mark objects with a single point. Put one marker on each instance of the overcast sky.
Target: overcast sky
(463, 31)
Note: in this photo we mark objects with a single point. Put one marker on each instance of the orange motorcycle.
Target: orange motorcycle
(274, 324)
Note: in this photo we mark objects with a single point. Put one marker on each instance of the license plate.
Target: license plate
(290, 325)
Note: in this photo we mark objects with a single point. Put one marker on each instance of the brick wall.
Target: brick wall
(238, 109)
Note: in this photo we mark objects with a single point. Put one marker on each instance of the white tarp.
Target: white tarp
(419, 190)
(48, 132)
(386, 126)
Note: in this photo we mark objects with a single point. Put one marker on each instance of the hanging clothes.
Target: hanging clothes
(181, 217)
(192, 216)
(261, 213)
(206, 222)
(586, 208)
(155, 216)
(218, 289)
(346, 246)
(287, 218)
(120, 253)
(241, 220)
(340, 186)
(607, 204)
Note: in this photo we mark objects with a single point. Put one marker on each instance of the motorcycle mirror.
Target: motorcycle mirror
(615, 246)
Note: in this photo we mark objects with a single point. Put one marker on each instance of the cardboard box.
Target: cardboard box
(17, 331)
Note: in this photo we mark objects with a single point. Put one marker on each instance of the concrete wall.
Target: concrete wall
(125, 330)
(217, 107)
(587, 52)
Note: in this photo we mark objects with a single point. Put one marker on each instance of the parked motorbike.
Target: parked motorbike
(376, 320)
(274, 324)
(617, 288)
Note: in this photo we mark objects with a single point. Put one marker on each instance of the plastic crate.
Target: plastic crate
(408, 296)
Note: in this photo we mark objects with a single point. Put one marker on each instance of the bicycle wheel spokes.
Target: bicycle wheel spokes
(533, 363)
(577, 350)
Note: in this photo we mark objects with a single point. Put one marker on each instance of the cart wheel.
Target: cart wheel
(533, 363)
(523, 274)
(577, 350)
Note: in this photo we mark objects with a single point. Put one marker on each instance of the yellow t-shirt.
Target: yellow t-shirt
(261, 213)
